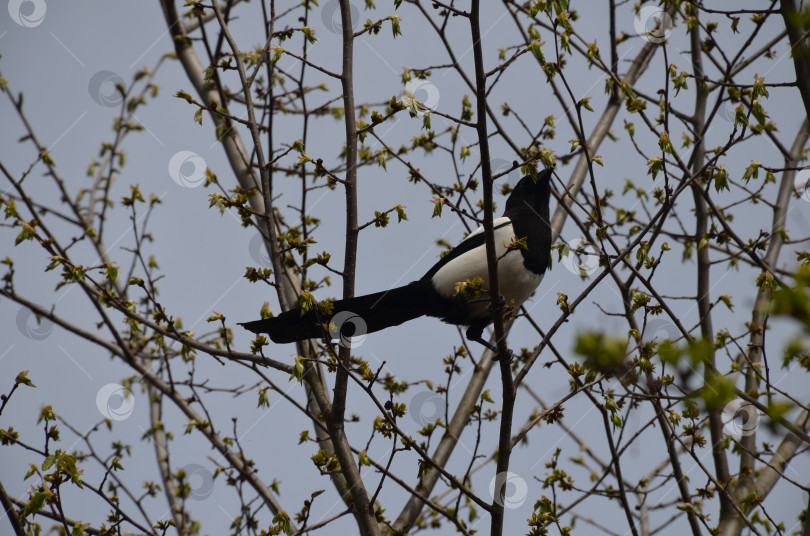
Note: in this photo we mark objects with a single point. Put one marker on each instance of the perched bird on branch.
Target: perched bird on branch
(455, 289)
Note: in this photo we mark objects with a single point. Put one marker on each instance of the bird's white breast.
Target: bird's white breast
(515, 282)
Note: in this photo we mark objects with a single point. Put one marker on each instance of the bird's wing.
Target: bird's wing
(474, 240)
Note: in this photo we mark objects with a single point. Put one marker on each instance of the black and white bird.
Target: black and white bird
(436, 294)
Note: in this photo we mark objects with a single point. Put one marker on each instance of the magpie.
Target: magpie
(436, 294)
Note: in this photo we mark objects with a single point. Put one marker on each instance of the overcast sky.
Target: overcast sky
(66, 56)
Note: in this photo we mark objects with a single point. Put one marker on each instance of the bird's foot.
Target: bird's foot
(510, 355)
(499, 306)
(492, 348)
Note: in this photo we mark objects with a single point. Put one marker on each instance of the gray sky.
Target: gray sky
(56, 63)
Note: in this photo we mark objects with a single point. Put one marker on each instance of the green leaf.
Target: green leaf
(735, 21)
(263, 399)
(665, 144)
(749, 502)
(309, 33)
(602, 353)
(720, 178)
(185, 96)
(32, 469)
(758, 111)
(536, 48)
(401, 213)
(395, 25)
(303, 437)
(759, 90)
(740, 119)
(752, 171)
(34, 505)
(426, 120)
(216, 317)
(586, 103)
(654, 165)
(669, 353)
(777, 410)
(717, 391)
(48, 463)
(306, 302)
(277, 52)
(28, 232)
(438, 203)
(111, 272)
(298, 369)
(765, 281)
(282, 522)
(22, 378)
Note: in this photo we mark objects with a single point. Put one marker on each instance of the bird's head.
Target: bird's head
(532, 192)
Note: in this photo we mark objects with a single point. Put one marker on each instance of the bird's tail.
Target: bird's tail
(351, 317)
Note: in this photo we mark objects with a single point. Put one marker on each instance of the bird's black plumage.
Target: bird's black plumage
(519, 272)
